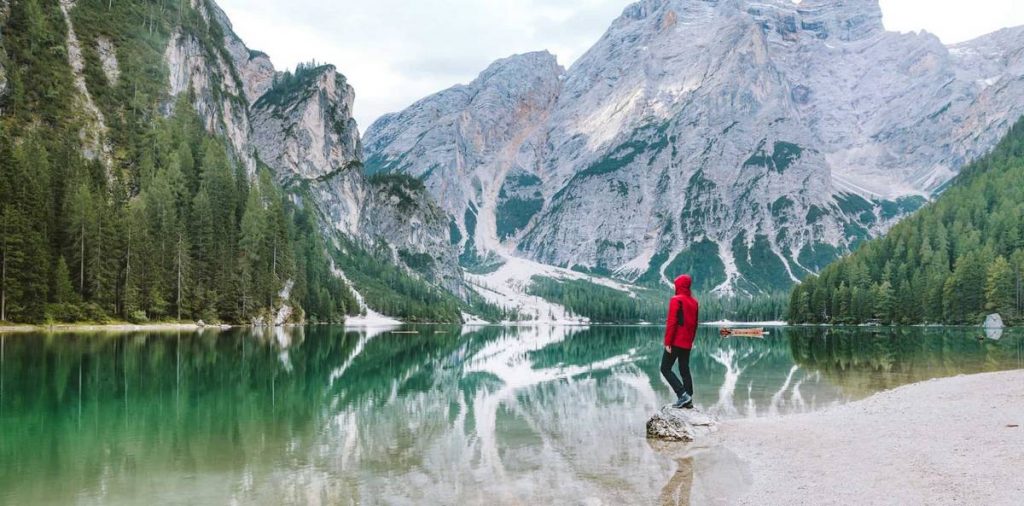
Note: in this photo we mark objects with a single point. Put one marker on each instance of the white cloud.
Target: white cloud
(397, 51)
(952, 21)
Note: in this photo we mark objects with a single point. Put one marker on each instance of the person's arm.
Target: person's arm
(670, 324)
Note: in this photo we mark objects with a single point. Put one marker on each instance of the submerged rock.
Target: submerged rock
(672, 424)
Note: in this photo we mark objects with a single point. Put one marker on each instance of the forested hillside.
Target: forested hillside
(952, 262)
(602, 304)
(116, 201)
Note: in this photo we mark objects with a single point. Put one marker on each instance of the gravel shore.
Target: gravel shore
(956, 440)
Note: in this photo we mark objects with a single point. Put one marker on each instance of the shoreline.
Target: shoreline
(362, 322)
(955, 440)
(101, 327)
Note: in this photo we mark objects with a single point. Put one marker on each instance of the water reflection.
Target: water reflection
(327, 415)
(677, 490)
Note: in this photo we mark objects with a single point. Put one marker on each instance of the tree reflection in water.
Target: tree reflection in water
(329, 415)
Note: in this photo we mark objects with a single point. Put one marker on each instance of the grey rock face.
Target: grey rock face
(680, 425)
(108, 59)
(746, 142)
(253, 67)
(219, 97)
(304, 132)
(307, 131)
(465, 142)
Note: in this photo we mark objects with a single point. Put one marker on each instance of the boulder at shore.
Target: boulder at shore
(672, 424)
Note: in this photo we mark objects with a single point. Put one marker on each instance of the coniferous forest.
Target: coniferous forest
(602, 304)
(954, 261)
(169, 227)
(190, 238)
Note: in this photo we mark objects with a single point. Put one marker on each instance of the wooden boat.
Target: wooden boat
(757, 333)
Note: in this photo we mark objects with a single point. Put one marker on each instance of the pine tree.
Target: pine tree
(1000, 288)
(81, 216)
(64, 291)
(251, 248)
(884, 301)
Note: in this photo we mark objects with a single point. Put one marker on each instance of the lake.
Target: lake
(424, 414)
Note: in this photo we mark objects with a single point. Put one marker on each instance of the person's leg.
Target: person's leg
(667, 359)
(684, 369)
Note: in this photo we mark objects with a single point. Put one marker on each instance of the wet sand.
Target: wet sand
(956, 440)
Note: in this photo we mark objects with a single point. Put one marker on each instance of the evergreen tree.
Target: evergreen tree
(951, 262)
(884, 301)
(1000, 289)
(64, 292)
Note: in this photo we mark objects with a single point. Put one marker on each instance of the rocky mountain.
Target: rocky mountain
(750, 143)
(149, 154)
(300, 125)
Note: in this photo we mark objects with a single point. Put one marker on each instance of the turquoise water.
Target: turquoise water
(328, 415)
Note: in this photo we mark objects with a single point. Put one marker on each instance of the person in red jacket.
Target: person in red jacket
(680, 329)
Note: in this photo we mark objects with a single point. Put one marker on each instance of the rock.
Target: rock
(993, 326)
(108, 59)
(993, 321)
(200, 324)
(304, 132)
(682, 425)
(755, 139)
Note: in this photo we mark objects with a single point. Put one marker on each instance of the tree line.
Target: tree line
(603, 304)
(166, 225)
(954, 261)
(193, 237)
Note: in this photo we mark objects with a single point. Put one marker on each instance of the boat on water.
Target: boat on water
(755, 332)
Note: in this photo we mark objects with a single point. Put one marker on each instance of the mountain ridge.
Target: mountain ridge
(754, 141)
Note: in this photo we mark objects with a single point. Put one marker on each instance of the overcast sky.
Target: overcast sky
(397, 51)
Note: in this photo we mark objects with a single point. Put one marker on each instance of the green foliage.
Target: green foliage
(171, 227)
(393, 291)
(469, 257)
(902, 206)
(783, 155)
(952, 262)
(649, 139)
(198, 240)
(288, 84)
(700, 260)
(407, 189)
(818, 256)
(514, 214)
(763, 271)
(603, 304)
(419, 262)
(599, 303)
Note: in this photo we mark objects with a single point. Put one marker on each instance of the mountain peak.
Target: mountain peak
(846, 20)
(520, 65)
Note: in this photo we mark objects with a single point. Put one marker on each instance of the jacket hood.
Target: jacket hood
(683, 284)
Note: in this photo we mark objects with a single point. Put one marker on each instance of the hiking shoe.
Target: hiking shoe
(683, 400)
(688, 405)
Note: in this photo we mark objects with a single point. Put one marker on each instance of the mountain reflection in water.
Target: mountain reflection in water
(328, 415)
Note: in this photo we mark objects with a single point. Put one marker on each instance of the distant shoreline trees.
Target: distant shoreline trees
(954, 261)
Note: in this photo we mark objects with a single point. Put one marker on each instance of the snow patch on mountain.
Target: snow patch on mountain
(367, 317)
(754, 141)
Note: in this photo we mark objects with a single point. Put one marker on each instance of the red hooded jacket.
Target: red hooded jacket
(681, 333)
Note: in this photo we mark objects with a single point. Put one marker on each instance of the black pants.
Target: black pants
(667, 359)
